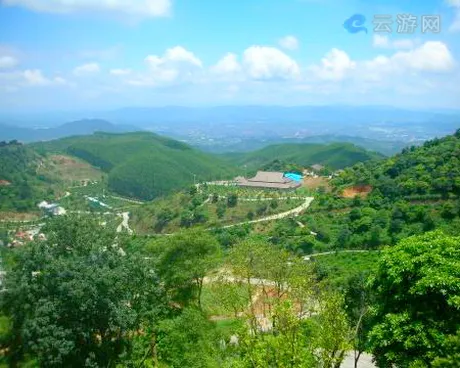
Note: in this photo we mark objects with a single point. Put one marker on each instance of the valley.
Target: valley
(332, 229)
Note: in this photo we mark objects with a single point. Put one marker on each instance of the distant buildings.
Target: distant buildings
(52, 208)
(268, 180)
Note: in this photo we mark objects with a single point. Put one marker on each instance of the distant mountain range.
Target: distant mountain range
(80, 127)
(243, 128)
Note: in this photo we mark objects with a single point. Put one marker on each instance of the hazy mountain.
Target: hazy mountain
(80, 127)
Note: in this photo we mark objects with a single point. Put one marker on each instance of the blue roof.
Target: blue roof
(293, 176)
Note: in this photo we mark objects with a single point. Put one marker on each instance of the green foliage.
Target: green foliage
(417, 300)
(183, 260)
(432, 169)
(75, 299)
(150, 165)
(189, 340)
(287, 157)
(21, 188)
(331, 330)
(232, 200)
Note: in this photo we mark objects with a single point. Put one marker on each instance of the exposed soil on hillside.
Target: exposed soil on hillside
(314, 183)
(19, 216)
(358, 190)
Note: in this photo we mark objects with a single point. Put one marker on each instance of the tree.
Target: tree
(332, 331)
(417, 300)
(75, 299)
(220, 210)
(358, 299)
(232, 200)
(183, 260)
(188, 340)
(452, 352)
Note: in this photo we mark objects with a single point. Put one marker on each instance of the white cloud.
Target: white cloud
(432, 56)
(384, 42)
(227, 65)
(334, 66)
(28, 78)
(7, 62)
(454, 3)
(262, 62)
(86, 69)
(35, 77)
(120, 72)
(180, 54)
(176, 64)
(289, 43)
(139, 8)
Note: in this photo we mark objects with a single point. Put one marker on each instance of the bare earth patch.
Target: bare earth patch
(16, 216)
(358, 190)
(314, 183)
(71, 169)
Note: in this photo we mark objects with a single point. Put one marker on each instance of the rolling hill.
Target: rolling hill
(21, 184)
(335, 155)
(431, 169)
(141, 165)
(79, 127)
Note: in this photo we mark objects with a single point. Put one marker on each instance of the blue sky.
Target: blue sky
(105, 54)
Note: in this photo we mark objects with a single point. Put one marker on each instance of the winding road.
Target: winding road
(295, 211)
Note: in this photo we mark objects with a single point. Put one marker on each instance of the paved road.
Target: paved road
(295, 211)
(307, 258)
(365, 361)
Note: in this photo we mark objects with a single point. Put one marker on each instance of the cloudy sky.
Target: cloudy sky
(104, 54)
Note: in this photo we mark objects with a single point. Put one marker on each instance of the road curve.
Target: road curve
(295, 211)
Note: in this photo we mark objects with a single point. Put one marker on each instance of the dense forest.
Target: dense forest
(432, 169)
(142, 165)
(333, 155)
(411, 193)
(86, 297)
(21, 186)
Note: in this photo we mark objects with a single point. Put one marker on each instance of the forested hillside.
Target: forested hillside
(20, 185)
(432, 169)
(142, 165)
(408, 194)
(334, 156)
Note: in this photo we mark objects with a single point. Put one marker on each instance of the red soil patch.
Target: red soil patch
(358, 190)
(4, 183)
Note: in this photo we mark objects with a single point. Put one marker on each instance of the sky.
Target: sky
(61, 55)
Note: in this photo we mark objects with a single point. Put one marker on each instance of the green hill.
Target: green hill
(408, 194)
(334, 156)
(431, 169)
(142, 165)
(21, 185)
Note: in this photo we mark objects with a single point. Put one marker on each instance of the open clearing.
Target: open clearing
(358, 190)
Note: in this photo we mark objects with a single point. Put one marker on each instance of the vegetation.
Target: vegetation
(21, 186)
(257, 295)
(418, 301)
(150, 165)
(334, 155)
(421, 172)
